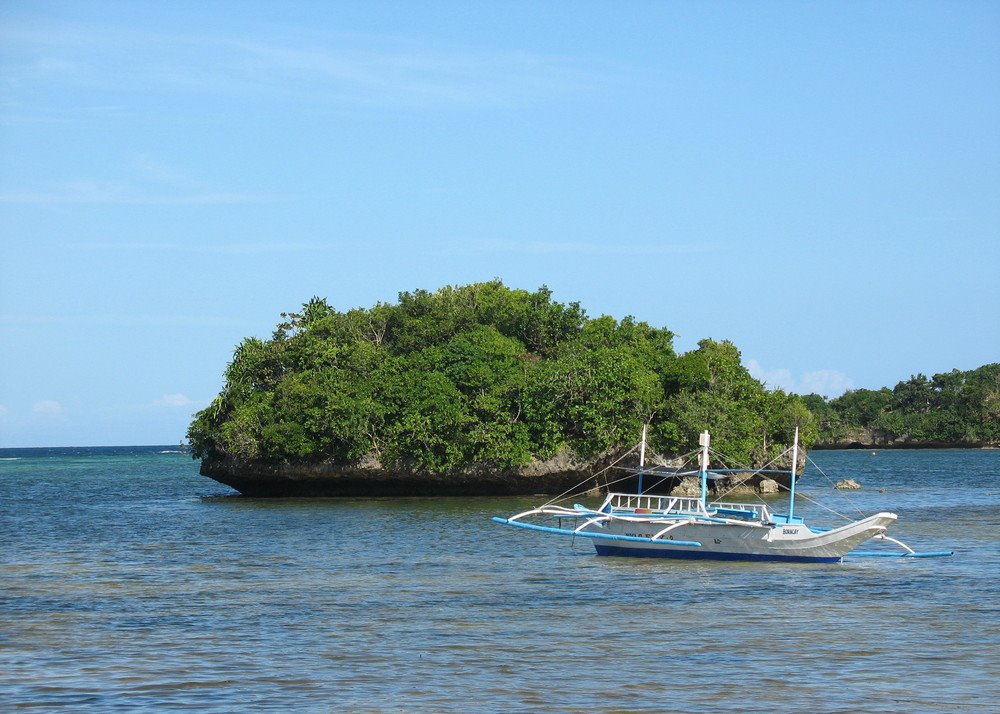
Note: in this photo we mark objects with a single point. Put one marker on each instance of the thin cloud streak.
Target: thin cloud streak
(119, 320)
(48, 408)
(586, 248)
(424, 75)
(173, 401)
(258, 248)
(116, 194)
(355, 70)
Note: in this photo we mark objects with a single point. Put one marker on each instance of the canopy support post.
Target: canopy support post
(642, 457)
(791, 485)
(703, 441)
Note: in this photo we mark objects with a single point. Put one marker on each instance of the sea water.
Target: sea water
(129, 581)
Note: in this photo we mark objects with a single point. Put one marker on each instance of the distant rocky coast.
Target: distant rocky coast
(876, 439)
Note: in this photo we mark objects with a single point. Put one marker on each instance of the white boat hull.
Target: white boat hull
(731, 541)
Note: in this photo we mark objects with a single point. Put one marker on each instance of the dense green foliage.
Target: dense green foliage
(954, 408)
(482, 374)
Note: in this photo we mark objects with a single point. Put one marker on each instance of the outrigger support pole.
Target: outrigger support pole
(910, 553)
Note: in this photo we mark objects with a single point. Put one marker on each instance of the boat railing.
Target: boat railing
(655, 504)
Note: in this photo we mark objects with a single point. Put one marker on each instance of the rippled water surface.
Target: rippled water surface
(128, 580)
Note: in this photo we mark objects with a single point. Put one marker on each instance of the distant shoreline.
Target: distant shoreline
(909, 446)
(96, 450)
(174, 449)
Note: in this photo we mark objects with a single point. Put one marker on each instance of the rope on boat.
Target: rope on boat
(572, 489)
(826, 508)
(754, 472)
(687, 459)
(614, 464)
(786, 488)
(800, 493)
(842, 494)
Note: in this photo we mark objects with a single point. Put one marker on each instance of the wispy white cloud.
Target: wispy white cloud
(47, 408)
(115, 193)
(773, 378)
(582, 248)
(145, 181)
(827, 382)
(160, 171)
(8, 318)
(173, 401)
(55, 65)
(205, 248)
(121, 320)
(409, 75)
(316, 68)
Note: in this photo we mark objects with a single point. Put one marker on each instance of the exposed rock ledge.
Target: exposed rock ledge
(848, 485)
(368, 478)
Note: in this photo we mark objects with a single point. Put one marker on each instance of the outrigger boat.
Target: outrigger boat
(655, 526)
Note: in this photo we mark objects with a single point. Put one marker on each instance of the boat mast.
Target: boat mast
(791, 486)
(642, 457)
(703, 440)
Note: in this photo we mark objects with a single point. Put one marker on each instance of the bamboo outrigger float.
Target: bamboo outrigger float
(646, 525)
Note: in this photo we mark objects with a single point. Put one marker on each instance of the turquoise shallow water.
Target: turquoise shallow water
(129, 581)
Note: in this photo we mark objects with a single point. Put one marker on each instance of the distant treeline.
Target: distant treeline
(951, 409)
(483, 374)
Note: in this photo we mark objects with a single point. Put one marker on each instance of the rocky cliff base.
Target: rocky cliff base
(368, 479)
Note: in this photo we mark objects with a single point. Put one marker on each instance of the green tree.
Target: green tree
(714, 391)
(485, 374)
(428, 422)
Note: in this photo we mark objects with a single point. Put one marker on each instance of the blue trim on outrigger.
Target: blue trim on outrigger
(589, 534)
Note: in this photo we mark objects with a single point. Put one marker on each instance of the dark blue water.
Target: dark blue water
(127, 580)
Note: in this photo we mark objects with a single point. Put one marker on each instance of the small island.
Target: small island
(486, 390)
(474, 390)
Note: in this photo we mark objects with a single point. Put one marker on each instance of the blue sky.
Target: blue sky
(817, 182)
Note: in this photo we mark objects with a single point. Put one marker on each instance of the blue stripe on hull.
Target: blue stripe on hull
(703, 555)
